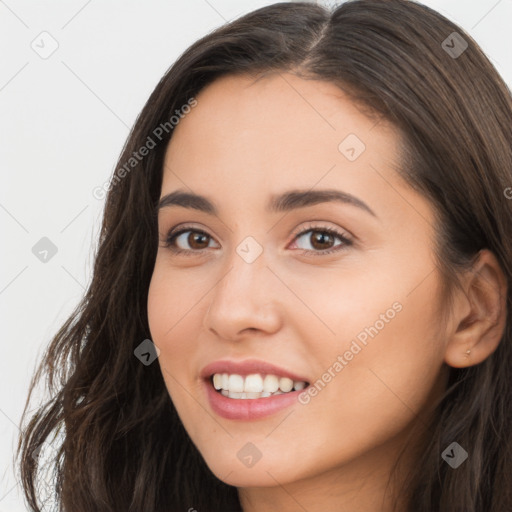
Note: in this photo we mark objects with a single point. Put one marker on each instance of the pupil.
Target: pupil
(196, 237)
(321, 237)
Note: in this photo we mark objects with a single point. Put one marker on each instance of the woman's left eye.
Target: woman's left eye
(323, 236)
(198, 240)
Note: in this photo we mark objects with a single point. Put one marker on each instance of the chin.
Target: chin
(250, 477)
(261, 474)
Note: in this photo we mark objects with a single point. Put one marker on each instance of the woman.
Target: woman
(252, 372)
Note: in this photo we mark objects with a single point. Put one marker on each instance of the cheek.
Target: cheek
(168, 304)
(174, 317)
(390, 364)
(172, 296)
(382, 365)
(160, 305)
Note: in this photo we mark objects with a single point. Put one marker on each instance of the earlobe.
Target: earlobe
(482, 313)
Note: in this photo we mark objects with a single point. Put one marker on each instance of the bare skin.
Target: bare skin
(245, 142)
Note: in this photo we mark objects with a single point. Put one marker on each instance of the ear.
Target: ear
(480, 313)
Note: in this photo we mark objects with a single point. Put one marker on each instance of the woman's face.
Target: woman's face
(352, 312)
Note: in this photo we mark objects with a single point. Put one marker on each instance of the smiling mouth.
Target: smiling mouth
(254, 386)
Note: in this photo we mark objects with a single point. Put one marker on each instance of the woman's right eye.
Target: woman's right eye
(192, 237)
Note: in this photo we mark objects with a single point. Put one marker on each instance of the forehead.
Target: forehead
(248, 134)
(270, 107)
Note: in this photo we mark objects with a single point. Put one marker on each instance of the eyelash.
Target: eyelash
(346, 242)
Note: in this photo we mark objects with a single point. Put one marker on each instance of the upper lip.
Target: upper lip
(247, 367)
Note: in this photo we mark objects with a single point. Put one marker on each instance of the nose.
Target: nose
(244, 300)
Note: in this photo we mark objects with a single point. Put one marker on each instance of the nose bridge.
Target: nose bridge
(246, 266)
(241, 297)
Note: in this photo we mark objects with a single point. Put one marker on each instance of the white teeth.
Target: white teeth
(271, 383)
(217, 381)
(254, 385)
(285, 384)
(236, 383)
(250, 394)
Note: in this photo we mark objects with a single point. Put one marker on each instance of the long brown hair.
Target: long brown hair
(122, 445)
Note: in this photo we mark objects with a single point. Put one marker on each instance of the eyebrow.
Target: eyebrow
(285, 202)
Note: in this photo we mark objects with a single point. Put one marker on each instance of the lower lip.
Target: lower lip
(248, 408)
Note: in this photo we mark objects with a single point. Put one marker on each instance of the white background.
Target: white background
(63, 121)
